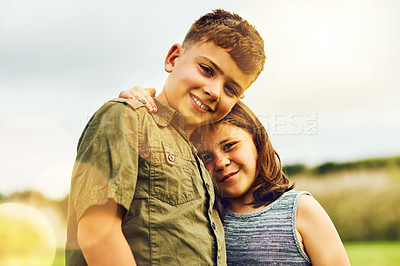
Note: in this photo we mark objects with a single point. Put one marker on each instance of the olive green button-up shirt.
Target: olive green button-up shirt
(146, 163)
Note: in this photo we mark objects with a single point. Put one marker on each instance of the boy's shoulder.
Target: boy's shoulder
(119, 110)
(123, 107)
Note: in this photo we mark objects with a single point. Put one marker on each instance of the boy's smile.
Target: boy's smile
(204, 83)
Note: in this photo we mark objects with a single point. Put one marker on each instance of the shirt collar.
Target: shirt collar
(167, 115)
(164, 114)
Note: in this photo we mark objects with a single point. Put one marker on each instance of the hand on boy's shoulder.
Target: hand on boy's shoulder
(142, 94)
(135, 104)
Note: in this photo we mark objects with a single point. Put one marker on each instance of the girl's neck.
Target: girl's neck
(241, 204)
(244, 208)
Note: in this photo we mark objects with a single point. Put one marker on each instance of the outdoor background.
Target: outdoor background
(329, 98)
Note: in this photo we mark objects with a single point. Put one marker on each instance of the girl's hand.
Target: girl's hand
(142, 94)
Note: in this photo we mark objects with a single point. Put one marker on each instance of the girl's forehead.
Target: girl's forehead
(219, 130)
(224, 129)
(221, 133)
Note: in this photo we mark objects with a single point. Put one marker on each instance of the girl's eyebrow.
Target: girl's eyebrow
(225, 141)
(222, 142)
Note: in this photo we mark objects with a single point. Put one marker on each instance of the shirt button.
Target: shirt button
(171, 158)
(213, 225)
(208, 187)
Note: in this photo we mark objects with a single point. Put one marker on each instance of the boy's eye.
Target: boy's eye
(208, 71)
(231, 90)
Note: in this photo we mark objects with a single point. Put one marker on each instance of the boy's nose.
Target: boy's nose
(213, 91)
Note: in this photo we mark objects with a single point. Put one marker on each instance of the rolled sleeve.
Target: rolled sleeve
(107, 159)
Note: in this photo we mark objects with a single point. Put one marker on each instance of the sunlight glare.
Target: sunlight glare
(27, 237)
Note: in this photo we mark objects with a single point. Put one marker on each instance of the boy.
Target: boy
(139, 193)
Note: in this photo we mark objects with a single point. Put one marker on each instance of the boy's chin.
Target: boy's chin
(199, 121)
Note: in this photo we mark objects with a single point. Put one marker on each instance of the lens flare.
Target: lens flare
(27, 237)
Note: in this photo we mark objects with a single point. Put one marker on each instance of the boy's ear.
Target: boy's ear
(241, 96)
(173, 54)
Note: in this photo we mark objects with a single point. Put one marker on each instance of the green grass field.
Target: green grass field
(59, 259)
(373, 253)
(360, 253)
(360, 202)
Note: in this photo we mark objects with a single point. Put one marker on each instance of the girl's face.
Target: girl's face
(230, 155)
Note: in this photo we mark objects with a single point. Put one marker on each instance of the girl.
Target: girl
(265, 220)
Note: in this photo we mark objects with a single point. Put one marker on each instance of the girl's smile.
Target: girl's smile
(229, 177)
(231, 156)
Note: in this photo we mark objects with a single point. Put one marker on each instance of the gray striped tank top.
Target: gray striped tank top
(267, 236)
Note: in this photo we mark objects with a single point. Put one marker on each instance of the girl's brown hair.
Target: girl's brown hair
(270, 182)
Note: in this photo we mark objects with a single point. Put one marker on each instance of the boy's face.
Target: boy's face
(204, 83)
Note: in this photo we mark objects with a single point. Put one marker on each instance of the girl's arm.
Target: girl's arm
(320, 238)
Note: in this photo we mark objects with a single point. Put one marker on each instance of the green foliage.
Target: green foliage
(294, 169)
(326, 168)
(3, 197)
(333, 167)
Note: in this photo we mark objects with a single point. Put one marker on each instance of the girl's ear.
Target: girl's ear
(173, 54)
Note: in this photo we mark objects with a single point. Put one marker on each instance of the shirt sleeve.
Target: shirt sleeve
(106, 165)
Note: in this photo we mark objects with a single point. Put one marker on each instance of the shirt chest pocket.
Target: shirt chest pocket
(172, 180)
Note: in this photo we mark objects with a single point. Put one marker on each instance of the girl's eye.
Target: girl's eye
(208, 71)
(228, 146)
(231, 90)
(206, 157)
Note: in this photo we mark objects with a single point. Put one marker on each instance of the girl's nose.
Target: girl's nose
(221, 161)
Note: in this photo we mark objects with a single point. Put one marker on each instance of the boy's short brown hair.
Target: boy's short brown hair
(231, 32)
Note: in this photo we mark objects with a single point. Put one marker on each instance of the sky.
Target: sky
(330, 89)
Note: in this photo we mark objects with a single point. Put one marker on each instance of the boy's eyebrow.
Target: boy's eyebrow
(221, 71)
(214, 64)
